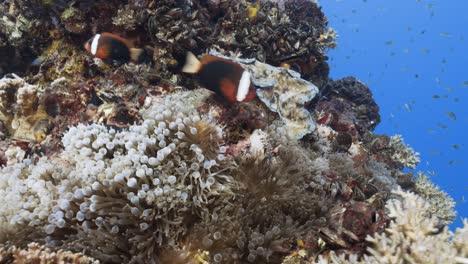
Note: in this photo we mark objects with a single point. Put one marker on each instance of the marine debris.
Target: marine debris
(128, 162)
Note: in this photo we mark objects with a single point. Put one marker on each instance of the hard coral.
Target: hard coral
(350, 223)
(351, 104)
(413, 235)
(39, 254)
(441, 204)
(403, 153)
(20, 109)
(393, 151)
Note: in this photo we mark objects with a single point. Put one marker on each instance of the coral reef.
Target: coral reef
(413, 236)
(284, 92)
(351, 105)
(135, 163)
(20, 109)
(106, 186)
(441, 205)
(39, 254)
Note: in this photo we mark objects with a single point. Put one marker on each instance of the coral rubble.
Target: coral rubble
(135, 163)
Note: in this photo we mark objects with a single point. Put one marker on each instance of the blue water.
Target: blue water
(409, 53)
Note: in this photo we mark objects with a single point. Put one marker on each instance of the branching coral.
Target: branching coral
(414, 236)
(403, 153)
(441, 205)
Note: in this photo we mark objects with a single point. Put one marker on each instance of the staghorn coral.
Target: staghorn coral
(392, 151)
(403, 153)
(39, 254)
(414, 235)
(441, 204)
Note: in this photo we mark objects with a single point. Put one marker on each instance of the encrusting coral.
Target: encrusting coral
(135, 163)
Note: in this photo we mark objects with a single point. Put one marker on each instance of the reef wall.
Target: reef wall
(136, 163)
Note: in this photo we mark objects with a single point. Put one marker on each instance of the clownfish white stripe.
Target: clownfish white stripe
(94, 44)
(244, 85)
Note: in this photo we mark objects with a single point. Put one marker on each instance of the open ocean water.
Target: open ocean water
(413, 55)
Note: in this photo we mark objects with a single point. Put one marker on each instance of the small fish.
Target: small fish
(442, 125)
(451, 115)
(436, 96)
(115, 49)
(450, 89)
(428, 6)
(465, 83)
(454, 162)
(443, 34)
(224, 77)
(408, 107)
(455, 146)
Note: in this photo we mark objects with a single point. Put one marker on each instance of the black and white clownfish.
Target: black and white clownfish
(112, 48)
(224, 77)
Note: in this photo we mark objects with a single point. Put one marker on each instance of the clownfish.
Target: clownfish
(115, 49)
(224, 77)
